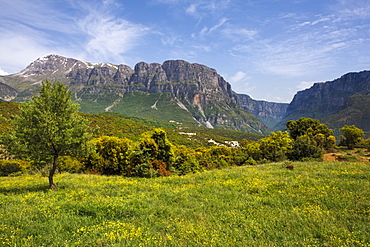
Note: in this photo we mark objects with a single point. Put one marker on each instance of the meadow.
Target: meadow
(315, 204)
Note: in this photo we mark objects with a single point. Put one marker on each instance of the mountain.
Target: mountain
(355, 110)
(7, 93)
(178, 91)
(269, 113)
(335, 101)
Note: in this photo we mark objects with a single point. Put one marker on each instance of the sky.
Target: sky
(268, 49)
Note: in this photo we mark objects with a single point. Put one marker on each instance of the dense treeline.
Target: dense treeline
(49, 132)
(154, 155)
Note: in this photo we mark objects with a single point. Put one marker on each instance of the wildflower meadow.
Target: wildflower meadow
(314, 204)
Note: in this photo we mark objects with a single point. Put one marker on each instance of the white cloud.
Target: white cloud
(2, 72)
(19, 49)
(221, 22)
(304, 85)
(192, 9)
(109, 36)
(240, 82)
(353, 9)
(239, 34)
(239, 76)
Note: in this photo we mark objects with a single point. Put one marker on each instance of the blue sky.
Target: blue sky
(268, 49)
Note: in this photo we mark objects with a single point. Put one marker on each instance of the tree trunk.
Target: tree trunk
(51, 173)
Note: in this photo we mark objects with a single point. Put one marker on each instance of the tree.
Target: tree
(275, 146)
(352, 135)
(47, 127)
(304, 147)
(316, 131)
(310, 138)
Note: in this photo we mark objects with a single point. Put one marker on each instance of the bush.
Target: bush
(8, 167)
(250, 161)
(70, 164)
(110, 156)
(185, 161)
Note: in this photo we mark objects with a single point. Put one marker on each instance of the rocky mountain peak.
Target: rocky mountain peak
(48, 63)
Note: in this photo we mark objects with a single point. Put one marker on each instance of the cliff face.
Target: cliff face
(175, 89)
(325, 100)
(268, 112)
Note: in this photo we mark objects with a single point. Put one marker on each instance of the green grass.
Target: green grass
(316, 204)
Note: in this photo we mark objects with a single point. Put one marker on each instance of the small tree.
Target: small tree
(352, 135)
(47, 127)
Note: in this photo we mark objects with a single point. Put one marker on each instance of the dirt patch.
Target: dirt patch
(330, 157)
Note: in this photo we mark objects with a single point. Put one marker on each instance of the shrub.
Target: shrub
(185, 161)
(250, 161)
(70, 164)
(8, 167)
(110, 156)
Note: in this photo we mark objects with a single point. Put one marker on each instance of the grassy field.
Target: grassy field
(315, 204)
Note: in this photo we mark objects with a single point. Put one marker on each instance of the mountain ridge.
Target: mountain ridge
(196, 91)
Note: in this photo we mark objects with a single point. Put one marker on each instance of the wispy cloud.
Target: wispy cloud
(239, 34)
(207, 30)
(353, 9)
(86, 31)
(109, 36)
(240, 82)
(304, 85)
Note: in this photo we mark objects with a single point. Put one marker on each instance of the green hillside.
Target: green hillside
(114, 124)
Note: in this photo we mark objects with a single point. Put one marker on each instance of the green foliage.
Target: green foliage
(312, 128)
(253, 149)
(367, 144)
(352, 136)
(47, 127)
(155, 155)
(8, 167)
(70, 164)
(109, 156)
(310, 138)
(275, 146)
(165, 150)
(185, 161)
(7, 110)
(304, 147)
